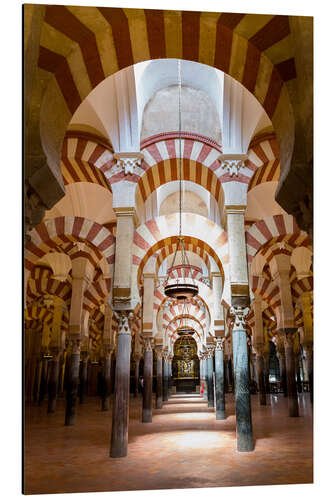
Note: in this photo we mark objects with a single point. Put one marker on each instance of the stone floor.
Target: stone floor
(184, 447)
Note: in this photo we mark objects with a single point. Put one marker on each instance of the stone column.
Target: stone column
(43, 379)
(83, 375)
(147, 412)
(106, 377)
(119, 436)
(308, 350)
(259, 348)
(170, 374)
(53, 378)
(226, 374)
(165, 375)
(282, 362)
(241, 374)
(290, 372)
(137, 358)
(73, 379)
(210, 386)
(307, 342)
(280, 271)
(266, 371)
(82, 272)
(108, 347)
(159, 382)
(204, 367)
(219, 380)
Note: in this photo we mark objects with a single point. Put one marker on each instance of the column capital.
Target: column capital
(74, 342)
(124, 319)
(232, 163)
(219, 341)
(127, 162)
(240, 314)
(159, 351)
(147, 343)
(108, 349)
(210, 350)
(288, 336)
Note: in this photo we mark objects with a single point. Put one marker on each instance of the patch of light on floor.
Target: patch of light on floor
(197, 439)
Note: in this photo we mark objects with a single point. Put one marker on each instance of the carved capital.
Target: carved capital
(147, 343)
(210, 351)
(288, 337)
(74, 342)
(127, 162)
(107, 348)
(159, 352)
(232, 163)
(239, 314)
(124, 321)
(219, 341)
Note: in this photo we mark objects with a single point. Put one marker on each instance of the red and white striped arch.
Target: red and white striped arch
(273, 229)
(161, 231)
(198, 165)
(85, 160)
(263, 160)
(41, 283)
(177, 322)
(189, 247)
(96, 293)
(50, 234)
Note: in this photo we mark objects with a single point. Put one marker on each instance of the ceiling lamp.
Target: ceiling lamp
(181, 287)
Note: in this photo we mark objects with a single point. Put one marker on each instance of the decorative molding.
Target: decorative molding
(219, 341)
(184, 135)
(232, 163)
(127, 162)
(240, 314)
(124, 319)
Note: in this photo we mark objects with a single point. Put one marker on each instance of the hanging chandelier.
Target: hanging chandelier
(185, 329)
(181, 287)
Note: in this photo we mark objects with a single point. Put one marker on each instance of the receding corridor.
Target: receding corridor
(184, 447)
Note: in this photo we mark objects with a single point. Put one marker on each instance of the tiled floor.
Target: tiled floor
(184, 447)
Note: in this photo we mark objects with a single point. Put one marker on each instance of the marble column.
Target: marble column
(308, 349)
(53, 378)
(43, 380)
(159, 381)
(210, 382)
(137, 358)
(259, 348)
(170, 374)
(119, 435)
(226, 374)
(241, 374)
(290, 371)
(204, 366)
(83, 376)
(165, 376)
(147, 400)
(266, 372)
(280, 352)
(106, 377)
(219, 380)
(73, 380)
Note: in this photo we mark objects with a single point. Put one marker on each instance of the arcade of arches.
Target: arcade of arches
(103, 353)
